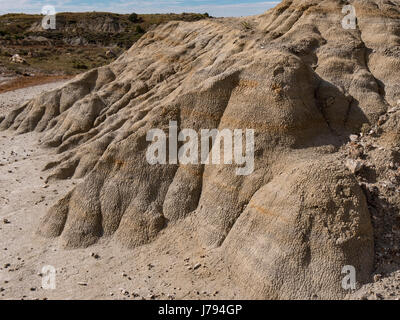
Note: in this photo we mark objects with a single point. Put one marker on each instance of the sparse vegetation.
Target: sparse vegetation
(80, 65)
(97, 27)
(139, 29)
(79, 43)
(246, 25)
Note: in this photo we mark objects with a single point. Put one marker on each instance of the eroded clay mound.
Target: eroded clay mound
(295, 76)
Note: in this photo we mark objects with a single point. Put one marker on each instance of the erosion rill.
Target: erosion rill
(295, 76)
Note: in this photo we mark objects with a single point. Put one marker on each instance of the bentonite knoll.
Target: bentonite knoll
(296, 77)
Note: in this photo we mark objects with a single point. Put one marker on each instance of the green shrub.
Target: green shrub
(139, 29)
(133, 17)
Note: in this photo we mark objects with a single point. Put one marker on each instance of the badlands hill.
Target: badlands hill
(294, 75)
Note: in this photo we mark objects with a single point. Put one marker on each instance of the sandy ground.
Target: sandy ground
(11, 99)
(162, 270)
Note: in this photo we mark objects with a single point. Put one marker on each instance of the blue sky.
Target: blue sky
(217, 8)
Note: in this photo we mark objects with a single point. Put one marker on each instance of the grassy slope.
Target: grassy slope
(58, 57)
